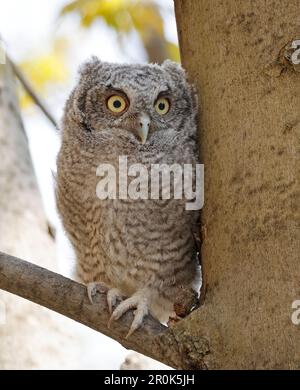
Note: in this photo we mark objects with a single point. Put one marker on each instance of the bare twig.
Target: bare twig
(29, 89)
(69, 298)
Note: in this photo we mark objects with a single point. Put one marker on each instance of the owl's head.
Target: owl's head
(138, 103)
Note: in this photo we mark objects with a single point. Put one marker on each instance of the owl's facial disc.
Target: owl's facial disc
(143, 127)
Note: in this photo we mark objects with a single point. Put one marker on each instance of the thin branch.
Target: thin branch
(69, 298)
(29, 89)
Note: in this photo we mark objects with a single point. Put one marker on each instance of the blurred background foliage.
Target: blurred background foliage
(125, 15)
(50, 69)
(46, 70)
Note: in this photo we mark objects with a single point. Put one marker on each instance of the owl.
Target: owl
(143, 249)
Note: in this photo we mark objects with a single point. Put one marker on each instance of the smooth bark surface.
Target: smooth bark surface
(69, 298)
(249, 133)
(30, 337)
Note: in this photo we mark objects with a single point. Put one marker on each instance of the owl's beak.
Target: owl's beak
(143, 127)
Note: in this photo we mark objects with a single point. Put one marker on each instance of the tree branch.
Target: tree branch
(70, 299)
(28, 88)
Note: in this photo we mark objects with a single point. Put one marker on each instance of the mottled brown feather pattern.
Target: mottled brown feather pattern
(129, 244)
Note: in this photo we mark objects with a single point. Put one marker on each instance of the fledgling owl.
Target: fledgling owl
(143, 250)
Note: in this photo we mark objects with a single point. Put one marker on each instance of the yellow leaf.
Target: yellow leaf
(173, 50)
(124, 16)
(45, 69)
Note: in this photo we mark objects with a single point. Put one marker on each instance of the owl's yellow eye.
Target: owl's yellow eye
(162, 106)
(116, 104)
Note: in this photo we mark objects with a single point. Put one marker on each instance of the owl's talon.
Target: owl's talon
(113, 295)
(139, 314)
(93, 288)
(136, 301)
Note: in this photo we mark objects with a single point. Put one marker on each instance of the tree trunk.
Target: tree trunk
(30, 337)
(249, 134)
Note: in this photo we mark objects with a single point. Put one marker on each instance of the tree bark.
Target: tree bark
(30, 337)
(69, 298)
(249, 136)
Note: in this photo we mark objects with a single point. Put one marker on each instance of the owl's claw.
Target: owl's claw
(93, 288)
(139, 314)
(113, 295)
(136, 301)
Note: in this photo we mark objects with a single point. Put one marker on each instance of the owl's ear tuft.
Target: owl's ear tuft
(180, 78)
(90, 66)
(174, 69)
(94, 69)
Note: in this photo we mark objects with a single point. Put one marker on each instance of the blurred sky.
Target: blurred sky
(28, 28)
